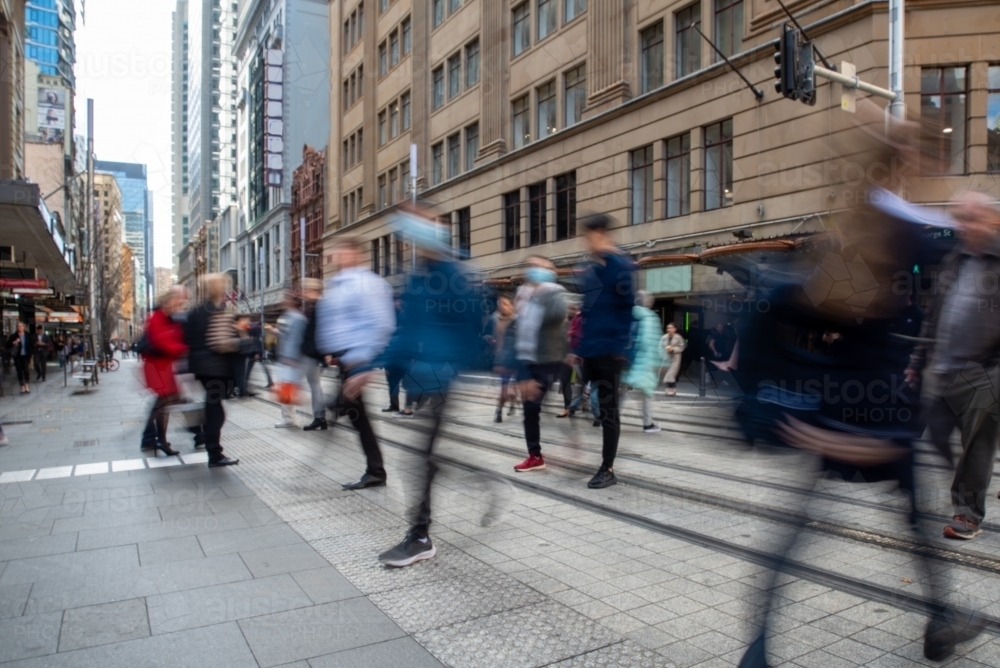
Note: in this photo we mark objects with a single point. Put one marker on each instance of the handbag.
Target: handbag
(286, 393)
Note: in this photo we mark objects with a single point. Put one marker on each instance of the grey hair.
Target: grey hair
(643, 298)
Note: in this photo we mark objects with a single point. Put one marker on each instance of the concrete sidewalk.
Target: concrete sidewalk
(109, 556)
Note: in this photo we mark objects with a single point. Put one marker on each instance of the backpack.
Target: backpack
(143, 346)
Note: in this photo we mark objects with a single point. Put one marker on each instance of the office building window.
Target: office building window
(383, 5)
(572, 9)
(393, 48)
(437, 163)
(547, 18)
(729, 26)
(353, 151)
(464, 232)
(361, 20)
(394, 119)
(386, 255)
(393, 186)
(575, 97)
(512, 220)
(383, 198)
(347, 94)
(454, 155)
(400, 262)
(437, 12)
(521, 27)
(719, 165)
(376, 265)
(404, 178)
(404, 103)
(687, 40)
(641, 179)
(471, 145)
(942, 114)
(521, 121)
(454, 75)
(361, 143)
(346, 158)
(537, 210)
(679, 175)
(453, 6)
(382, 137)
(566, 206)
(347, 36)
(437, 88)
(651, 40)
(471, 63)
(993, 119)
(546, 96)
(383, 59)
(407, 31)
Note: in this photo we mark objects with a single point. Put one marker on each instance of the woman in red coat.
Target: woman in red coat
(166, 344)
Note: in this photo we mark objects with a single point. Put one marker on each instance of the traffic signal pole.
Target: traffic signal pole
(853, 82)
(897, 109)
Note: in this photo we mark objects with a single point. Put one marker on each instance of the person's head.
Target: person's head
(215, 287)
(978, 219)
(346, 253)
(540, 270)
(172, 301)
(597, 231)
(505, 305)
(289, 300)
(643, 298)
(720, 328)
(39, 329)
(671, 328)
(21, 327)
(312, 289)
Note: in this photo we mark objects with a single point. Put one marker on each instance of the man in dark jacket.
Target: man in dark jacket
(43, 345)
(608, 288)
(959, 370)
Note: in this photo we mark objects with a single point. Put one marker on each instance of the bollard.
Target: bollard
(701, 378)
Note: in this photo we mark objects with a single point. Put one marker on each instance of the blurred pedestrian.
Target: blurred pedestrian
(21, 347)
(355, 320)
(672, 344)
(291, 328)
(608, 288)
(959, 367)
(165, 345)
(43, 346)
(500, 335)
(540, 350)
(440, 331)
(644, 373)
(312, 291)
(214, 345)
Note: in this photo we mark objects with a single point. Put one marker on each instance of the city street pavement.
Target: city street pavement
(111, 557)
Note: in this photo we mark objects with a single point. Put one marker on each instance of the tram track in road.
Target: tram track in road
(851, 585)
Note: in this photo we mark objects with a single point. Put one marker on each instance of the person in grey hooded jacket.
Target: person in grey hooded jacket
(540, 348)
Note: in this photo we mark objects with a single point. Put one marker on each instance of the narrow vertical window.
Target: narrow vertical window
(512, 220)
(943, 113)
(437, 88)
(546, 96)
(566, 206)
(719, 165)
(679, 175)
(521, 28)
(651, 40)
(454, 75)
(687, 40)
(641, 177)
(537, 214)
(471, 145)
(521, 120)
(437, 163)
(471, 63)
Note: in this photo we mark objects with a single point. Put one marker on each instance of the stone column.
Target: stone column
(495, 45)
(609, 65)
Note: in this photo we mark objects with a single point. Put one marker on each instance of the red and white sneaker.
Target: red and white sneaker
(532, 463)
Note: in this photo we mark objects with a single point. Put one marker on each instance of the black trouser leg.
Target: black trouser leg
(566, 384)
(215, 414)
(21, 364)
(543, 374)
(604, 374)
(393, 377)
(355, 409)
(422, 517)
(41, 360)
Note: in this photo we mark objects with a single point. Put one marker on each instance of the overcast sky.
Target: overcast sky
(123, 63)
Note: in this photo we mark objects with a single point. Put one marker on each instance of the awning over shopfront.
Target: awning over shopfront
(28, 226)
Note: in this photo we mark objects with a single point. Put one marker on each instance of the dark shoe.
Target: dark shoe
(406, 414)
(498, 416)
(651, 428)
(414, 548)
(165, 449)
(597, 423)
(391, 409)
(603, 478)
(222, 461)
(510, 411)
(367, 480)
(318, 423)
(199, 440)
(148, 445)
(945, 631)
(962, 528)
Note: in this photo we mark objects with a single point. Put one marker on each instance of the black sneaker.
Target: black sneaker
(498, 416)
(603, 478)
(318, 423)
(391, 409)
(222, 461)
(414, 548)
(945, 631)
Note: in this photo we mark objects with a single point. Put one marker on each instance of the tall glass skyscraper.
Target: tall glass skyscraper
(131, 178)
(48, 36)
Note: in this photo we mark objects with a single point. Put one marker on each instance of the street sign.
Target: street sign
(12, 283)
(848, 96)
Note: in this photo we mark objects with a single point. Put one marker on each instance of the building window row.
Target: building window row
(456, 83)
(546, 23)
(452, 151)
(354, 27)
(442, 9)
(389, 255)
(395, 47)
(353, 149)
(574, 84)
(353, 202)
(394, 185)
(394, 119)
(354, 87)
(537, 194)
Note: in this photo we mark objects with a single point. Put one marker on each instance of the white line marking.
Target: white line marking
(17, 476)
(91, 469)
(54, 472)
(128, 465)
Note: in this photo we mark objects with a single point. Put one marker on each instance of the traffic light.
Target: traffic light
(785, 54)
(805, 82)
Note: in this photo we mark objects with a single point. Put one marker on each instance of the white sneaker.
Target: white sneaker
(286, 425)
(4, 441)
(651, 429)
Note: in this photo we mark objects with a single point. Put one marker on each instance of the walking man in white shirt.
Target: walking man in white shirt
(355, 320)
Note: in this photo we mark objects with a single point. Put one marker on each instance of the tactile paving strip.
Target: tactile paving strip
(446, 602)
(620, 655)
(337, 525)
(536, 635)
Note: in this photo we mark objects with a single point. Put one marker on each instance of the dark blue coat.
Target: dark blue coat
(608, 290)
